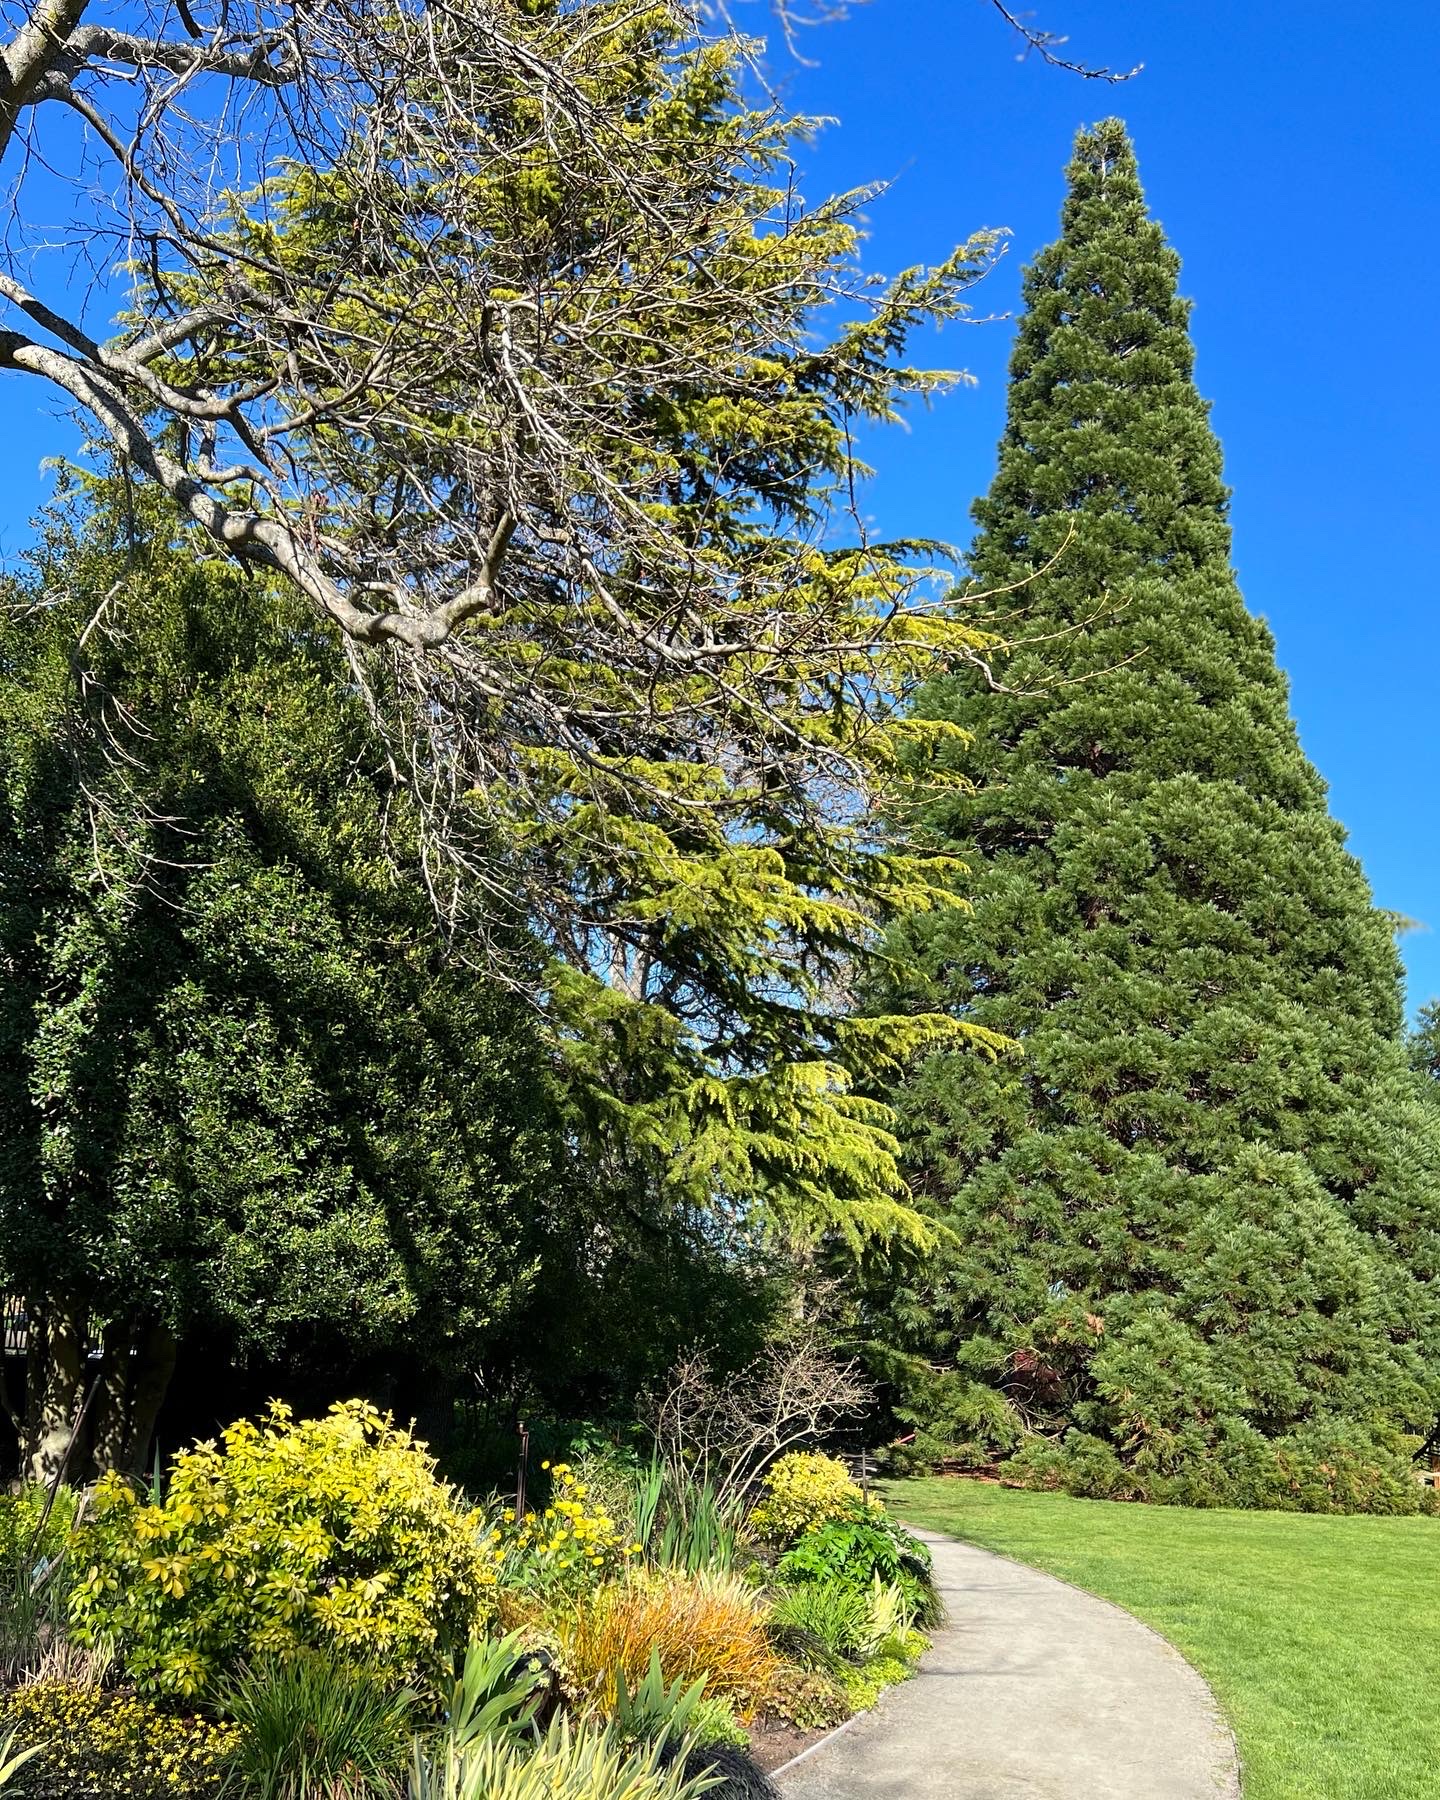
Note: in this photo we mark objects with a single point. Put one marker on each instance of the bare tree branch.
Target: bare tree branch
(1047, 45)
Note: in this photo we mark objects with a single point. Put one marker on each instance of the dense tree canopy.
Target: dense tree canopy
(1192, 1230)
(244, 1089)
(501, 332)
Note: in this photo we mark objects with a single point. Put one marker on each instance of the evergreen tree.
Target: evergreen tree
(1193, 1226)
(1425, 1044)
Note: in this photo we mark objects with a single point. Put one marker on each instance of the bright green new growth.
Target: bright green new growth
(1190, 1231)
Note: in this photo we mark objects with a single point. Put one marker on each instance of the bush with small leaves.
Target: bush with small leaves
(88, 1741)
(807, 1698)
(866, 1682)
(713, 1722)
(801, 1491)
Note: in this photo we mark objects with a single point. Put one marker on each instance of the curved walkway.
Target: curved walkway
(1033, 1691)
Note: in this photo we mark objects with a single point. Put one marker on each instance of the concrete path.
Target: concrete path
(1033, 1691)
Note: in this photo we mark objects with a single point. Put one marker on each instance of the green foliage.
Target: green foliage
(852, 1551)
(810, 1699)
(314, 1725)
(564, 1548)
(688, 682)
(567, 1764)
(87, 1740)
(1425, 1045)
(819, 1623)
(1329, 1465)
(36, 1570)
(800, 1491)
(1191, 1235)
(713, 1721)
(330, 1534)
(497, 1694)
(654, 1708)
(13, 1760)
(864, 1683)
(685, 1524)
(250, 1093)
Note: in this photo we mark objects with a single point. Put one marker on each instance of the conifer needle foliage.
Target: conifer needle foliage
(1191, 1232)
(502, 334)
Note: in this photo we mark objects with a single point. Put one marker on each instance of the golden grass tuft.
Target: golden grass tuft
(708, 1624)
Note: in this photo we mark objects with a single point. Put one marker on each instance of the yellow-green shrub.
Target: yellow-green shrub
(114, 1743)
(710, 1625)
(864, 1685)
(801, 1491)
(331, 1534)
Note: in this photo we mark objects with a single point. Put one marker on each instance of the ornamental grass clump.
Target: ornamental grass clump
(87, 1741)
(328, 1534)
(35, 1573)
(568, 1763)
(801, 1491)
(315, 1725)
(698, 1625)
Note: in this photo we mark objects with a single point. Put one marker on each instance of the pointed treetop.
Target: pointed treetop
(1104, 163)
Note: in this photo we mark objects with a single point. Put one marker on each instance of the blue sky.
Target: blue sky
(1292, 154)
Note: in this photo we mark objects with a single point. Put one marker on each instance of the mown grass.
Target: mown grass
(1319, 1636)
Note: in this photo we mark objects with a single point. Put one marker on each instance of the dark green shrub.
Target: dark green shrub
(1327, 1466)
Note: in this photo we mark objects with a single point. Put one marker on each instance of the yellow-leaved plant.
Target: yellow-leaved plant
(801, 1491)
(85, 1740)
(331, 1533)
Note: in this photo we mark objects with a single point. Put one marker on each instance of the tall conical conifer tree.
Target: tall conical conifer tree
(1193, 1228)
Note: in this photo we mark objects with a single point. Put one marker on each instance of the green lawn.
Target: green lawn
(1320, 1636)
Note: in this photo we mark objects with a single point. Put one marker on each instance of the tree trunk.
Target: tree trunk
(111, 1407)
(154, 1366)
(56, 1389)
